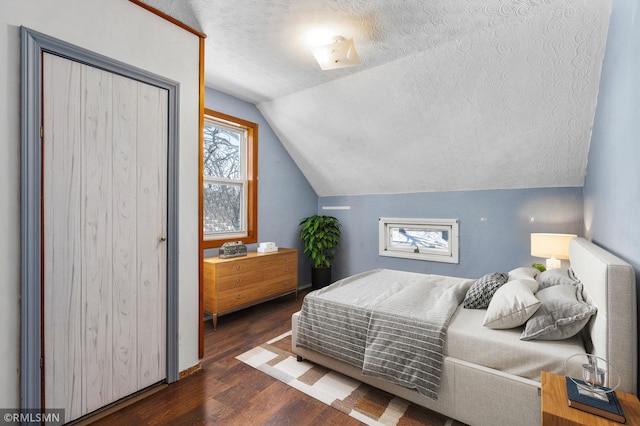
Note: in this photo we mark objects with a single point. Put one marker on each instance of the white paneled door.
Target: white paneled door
(104, 232)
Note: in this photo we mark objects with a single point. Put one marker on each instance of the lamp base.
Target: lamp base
(595, 393)
(553, 263)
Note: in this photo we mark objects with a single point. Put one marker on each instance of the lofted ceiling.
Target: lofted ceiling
(451, 94)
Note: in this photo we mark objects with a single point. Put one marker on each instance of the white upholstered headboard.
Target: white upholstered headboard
(610, 285)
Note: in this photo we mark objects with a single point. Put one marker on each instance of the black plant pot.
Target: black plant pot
(320, 277)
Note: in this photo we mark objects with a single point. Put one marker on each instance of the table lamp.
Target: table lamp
(553, 247)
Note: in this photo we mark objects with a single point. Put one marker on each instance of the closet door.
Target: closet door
(104, 232)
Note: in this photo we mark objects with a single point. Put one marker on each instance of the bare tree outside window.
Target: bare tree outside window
(229, 172)
(222, 196)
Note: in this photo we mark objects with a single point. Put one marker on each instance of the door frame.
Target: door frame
(33, 45)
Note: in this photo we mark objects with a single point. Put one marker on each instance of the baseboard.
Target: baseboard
(189, 371)
(118, 405)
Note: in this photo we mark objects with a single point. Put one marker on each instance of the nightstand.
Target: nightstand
(556, 410)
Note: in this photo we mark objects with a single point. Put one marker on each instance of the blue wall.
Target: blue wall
(612, 187)
(494, 227)
(284, 195)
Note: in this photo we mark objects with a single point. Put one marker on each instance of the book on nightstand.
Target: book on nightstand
(610, 409)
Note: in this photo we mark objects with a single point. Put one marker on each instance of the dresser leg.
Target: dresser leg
(215, 321)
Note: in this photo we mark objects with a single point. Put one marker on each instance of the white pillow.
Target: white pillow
(512, 305)
(552, 277)
(523, 272)
(529, 274)
(531, 283)
(563, 313)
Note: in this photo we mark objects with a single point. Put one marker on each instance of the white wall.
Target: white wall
(125, 32)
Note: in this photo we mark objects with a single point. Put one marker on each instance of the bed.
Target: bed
(488, 376)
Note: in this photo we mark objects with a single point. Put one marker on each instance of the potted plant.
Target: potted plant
(320, 236)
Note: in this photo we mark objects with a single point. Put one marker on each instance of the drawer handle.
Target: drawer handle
(239, 296)
(238, 280)
(238, 267)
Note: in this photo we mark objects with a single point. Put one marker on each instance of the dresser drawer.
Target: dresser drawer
(278, 285)
(254, 263)
(249, 294)
(230, 300)
(253, 276)
(241, 265)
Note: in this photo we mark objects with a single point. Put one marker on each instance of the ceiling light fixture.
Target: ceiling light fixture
(341, 53)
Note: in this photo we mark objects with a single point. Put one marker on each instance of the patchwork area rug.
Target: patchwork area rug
(359, 400)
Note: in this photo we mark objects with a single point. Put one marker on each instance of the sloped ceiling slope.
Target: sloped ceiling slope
(452, 94)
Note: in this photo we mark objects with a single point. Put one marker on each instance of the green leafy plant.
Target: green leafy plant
(320, 236)
(539, 266)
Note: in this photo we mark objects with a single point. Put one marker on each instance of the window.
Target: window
(229, 174)
(423, 239)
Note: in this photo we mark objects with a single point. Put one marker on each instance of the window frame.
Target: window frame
(385, 248)
(251, 179)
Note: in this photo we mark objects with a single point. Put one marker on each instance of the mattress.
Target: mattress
(469, 340)
(392, 324)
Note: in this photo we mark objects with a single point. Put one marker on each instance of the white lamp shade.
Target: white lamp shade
(551, 245)
(339, 54)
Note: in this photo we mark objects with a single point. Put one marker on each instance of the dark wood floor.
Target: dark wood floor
(229, 392)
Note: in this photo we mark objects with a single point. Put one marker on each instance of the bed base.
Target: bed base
(469, 393)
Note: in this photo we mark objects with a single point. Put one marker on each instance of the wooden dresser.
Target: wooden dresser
(239, 282)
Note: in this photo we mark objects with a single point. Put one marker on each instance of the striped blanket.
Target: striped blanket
(392, 324)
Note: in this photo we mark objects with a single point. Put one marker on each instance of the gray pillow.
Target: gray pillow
(552, 277)
(481, 292)
(562, 313)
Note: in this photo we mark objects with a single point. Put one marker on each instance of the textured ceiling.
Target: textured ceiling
(451, 94)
